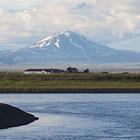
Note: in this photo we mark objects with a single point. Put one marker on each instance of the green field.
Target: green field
(19, 82)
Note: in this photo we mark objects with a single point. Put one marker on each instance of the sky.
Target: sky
(115, 23)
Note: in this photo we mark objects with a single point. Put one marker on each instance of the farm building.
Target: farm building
(43, 71)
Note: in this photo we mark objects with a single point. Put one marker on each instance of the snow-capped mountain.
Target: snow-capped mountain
(67, 48)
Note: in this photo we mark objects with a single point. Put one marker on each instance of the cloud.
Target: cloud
(105, 21)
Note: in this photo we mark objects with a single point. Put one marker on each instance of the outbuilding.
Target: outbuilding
(43, 71)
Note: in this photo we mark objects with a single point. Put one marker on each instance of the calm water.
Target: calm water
(77, 117)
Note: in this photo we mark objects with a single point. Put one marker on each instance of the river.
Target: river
(76, 117)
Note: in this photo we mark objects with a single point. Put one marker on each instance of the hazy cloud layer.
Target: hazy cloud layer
(113, 22)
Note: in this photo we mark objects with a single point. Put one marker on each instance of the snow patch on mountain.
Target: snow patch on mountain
(57, 43)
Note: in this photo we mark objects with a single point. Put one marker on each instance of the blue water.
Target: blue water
(76, 117)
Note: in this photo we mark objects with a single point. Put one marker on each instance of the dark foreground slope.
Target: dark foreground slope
(11, 116)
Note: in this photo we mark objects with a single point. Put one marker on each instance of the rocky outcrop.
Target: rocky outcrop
(11, 117)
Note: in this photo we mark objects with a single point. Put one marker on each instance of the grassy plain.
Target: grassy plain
(69, 83)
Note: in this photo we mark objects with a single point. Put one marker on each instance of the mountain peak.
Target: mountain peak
(57, 39)
(66, 34)
(72, 34)
(69, 33)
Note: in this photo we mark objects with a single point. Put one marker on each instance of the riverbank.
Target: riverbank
(11, 117)
(69, 83)
(70, 91)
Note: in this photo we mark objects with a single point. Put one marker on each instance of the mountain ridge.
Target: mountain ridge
(70, 48)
